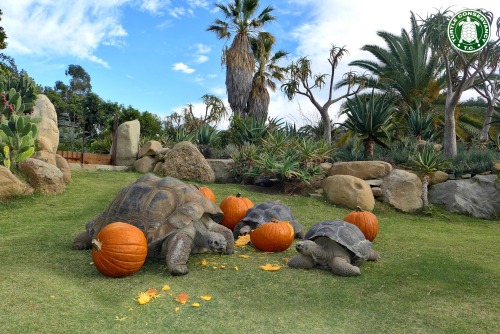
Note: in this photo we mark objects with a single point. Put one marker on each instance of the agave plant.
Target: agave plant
(206, 137)
(426, 162)
(370, 117)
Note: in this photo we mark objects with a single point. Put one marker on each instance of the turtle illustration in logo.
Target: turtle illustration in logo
(469, 32)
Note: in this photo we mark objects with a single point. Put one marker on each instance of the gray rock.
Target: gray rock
(403, 190)
(222, 170)
(145, 164)
(478, 196)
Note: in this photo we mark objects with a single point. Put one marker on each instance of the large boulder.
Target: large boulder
(403, 190)
(222, 169)
(55, 160)
(44, 176)
(349, 191)
(10, 185)
(150, 148)
(48, 137)
(361, 169)
(184, 161)
(127, 143)
(478, 196)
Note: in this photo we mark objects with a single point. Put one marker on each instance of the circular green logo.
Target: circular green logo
(469, 30)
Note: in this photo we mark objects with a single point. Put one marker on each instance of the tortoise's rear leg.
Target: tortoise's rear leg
(82, 241)
(178, 251)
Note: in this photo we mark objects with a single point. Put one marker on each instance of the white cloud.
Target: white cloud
(65, 27)
(154, 7)
(177, 12)
(181, 67)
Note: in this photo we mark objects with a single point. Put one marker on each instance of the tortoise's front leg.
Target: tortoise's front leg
(341, 266)
(301, 262)
(82, 241)
(227, 234)
(178, 251)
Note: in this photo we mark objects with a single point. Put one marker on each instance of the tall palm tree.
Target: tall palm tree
(370, 118)
(238, 58)
(267, 71)
(405, 67)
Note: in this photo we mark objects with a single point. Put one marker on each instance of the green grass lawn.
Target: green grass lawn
(437, 274)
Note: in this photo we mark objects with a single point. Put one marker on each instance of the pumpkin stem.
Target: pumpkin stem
(197, 186)
(238, 195)
(97, 244)
(359, 209)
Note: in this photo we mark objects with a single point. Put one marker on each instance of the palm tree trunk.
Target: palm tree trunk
(450, 135)
(368, 144)
(425, 190)
(327, 127)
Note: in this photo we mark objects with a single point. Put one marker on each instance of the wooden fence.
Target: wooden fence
(88, 158)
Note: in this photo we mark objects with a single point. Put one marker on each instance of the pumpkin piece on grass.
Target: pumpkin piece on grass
(206, 192)
(274, 236)
(366, 221)
(235, 209)
(119, 250)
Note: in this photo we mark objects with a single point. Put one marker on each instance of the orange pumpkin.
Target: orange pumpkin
(119, 250)
(365, 220)
(207, 193)
(274, 236)
(235, 209)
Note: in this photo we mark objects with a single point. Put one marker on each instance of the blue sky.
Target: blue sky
(157, 56)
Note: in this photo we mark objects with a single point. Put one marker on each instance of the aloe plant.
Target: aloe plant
(18, 133)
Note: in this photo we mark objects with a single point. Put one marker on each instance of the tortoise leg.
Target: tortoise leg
(341, 266)
(82, 241)
(373, 256)
(178, 251)
(301, 262)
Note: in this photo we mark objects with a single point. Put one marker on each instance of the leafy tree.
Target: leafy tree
(79, 83)
(371, 118)
(267, 71)
(461, 69)
(299, 80)
(239, 20)
(3, 35)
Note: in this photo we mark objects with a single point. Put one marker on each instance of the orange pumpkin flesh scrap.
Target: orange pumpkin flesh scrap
(235, 209)
(119, 250)
(206, 192)
(274, 236)
(366, 221)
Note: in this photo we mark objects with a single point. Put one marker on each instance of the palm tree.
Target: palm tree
(404, 67)
(370, 117)
(238, 58)
(267, 70)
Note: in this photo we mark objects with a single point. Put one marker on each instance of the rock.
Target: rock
(496, 167)
(325, 167)
(403, 190)
(184, 161)
(145, 164)
(374, 182)
(48, 137)
(349, 191)
(222, 169)
(10, 185)
(438, 177)
(377, 192)
(361, 169)
(55, 160)
(160, 156)
(127, 143)
(43, 176)
(478, 196)
(151, 148)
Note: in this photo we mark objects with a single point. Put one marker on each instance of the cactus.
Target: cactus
(5, 156)
(18, 95)
(18, 133)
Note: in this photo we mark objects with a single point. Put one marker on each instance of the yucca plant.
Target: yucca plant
(206, 137)
(426, 162)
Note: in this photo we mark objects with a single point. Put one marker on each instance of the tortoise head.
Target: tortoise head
(305, 247)
(216, 242)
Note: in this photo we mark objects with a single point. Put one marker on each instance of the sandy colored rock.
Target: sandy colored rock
(48, 137)
(150, 148)
(10, 185)
(184, 161)
(127, 143)
(349, 191)
(361, 169)
(145, 164)
(44, 176)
